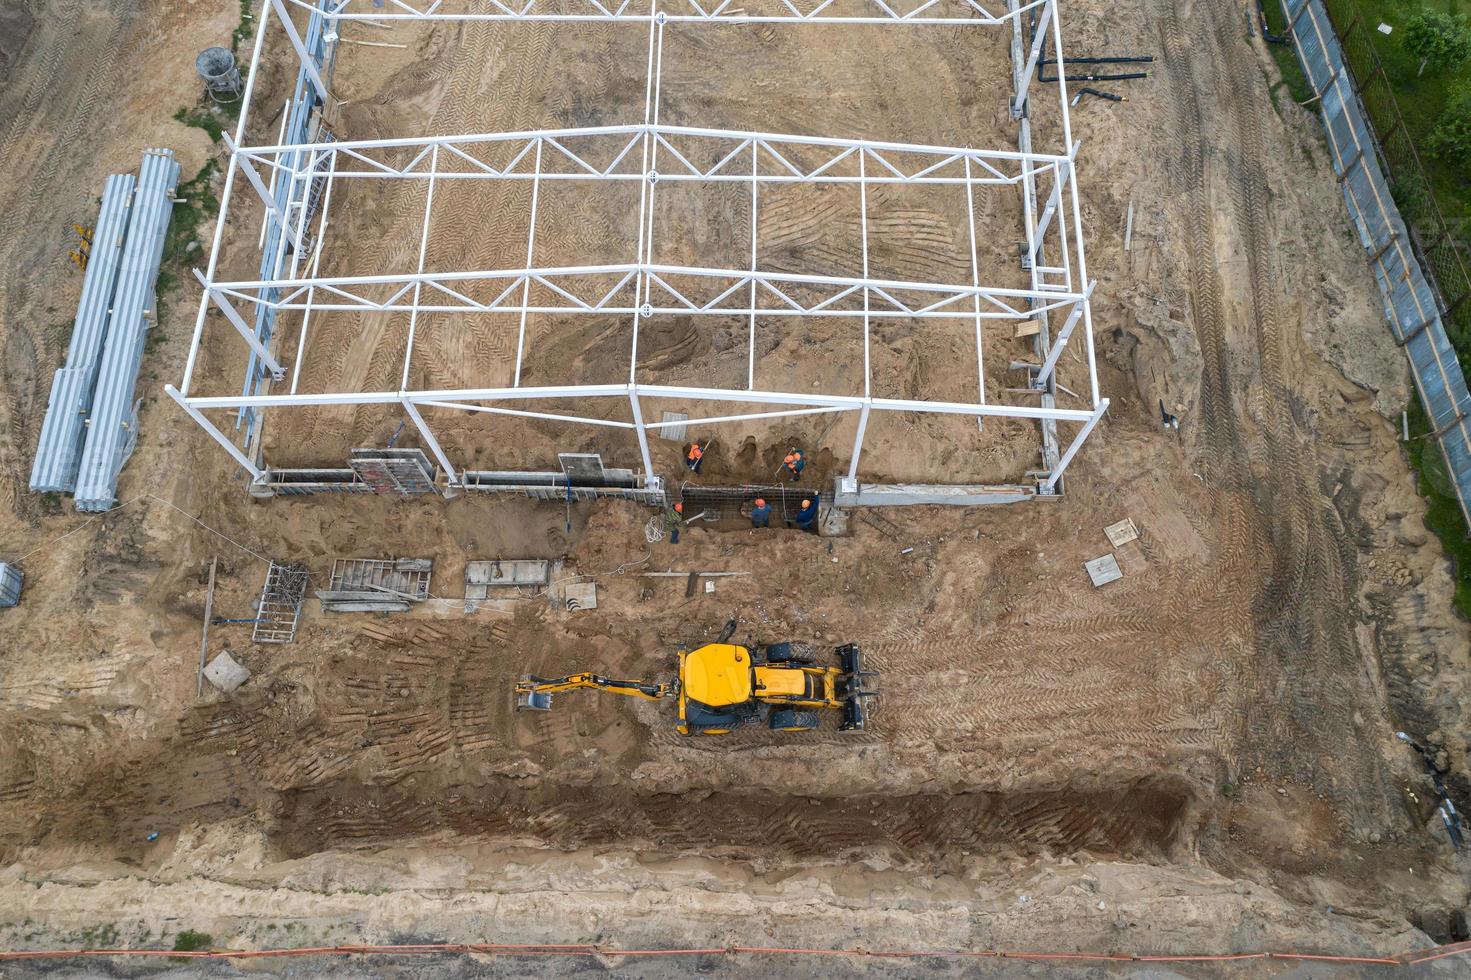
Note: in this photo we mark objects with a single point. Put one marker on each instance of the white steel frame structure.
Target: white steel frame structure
(649, 155)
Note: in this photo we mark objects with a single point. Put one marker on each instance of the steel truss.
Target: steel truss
(648, 155)
(955, 12)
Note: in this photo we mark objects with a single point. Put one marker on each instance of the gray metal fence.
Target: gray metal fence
(1409, 300)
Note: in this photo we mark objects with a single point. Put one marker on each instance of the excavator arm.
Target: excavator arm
(536, 692)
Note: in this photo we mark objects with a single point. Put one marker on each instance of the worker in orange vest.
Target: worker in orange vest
(694, 457)
(795, 462)
(673, 521)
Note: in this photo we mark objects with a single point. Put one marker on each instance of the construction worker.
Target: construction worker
(795, 462)
(694, 457)
(760, 514)
(673, 521)
(807, 516)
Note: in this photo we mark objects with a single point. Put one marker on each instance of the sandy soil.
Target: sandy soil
(1204, 749)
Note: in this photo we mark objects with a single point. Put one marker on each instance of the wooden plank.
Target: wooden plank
(209, 608)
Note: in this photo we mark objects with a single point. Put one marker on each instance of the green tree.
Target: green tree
(1450, 140)
(1441, 40)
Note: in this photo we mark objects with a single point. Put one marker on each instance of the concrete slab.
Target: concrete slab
(1103, 570)
(486, 578)
(226, 673)
(1121, 533)
(583, 595)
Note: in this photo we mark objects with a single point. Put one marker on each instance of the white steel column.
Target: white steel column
(1067, 135)
(306, 314)
(308, 63)
(858, 440)
(256, 473)
(1049, 485)
(423, 251)
(751, 343)
(643, 435)
(530, 256)
(975, 278)
(238, 322)
(429, 440)
(214, 250)
(646, 185)
(867, 372)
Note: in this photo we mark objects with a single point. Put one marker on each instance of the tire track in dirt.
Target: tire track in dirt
(1145, 819)
(1262, 479)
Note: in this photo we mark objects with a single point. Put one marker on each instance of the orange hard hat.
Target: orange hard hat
(679, 508)
(760, 502)
(806, 503)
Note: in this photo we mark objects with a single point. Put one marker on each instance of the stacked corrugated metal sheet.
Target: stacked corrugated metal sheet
(62, 431)
(112, 427)
(10, 583)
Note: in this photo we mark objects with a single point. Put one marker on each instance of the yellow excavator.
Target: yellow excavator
(723, 686)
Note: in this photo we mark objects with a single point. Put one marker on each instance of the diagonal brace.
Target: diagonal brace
(308, 63)
(1024, 79)
(1049, 365)
(236, 320)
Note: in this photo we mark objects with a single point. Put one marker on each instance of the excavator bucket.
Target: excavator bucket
(533, 700)
(529, 698)
(853, 688)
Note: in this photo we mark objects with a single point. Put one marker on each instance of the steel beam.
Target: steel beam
(238, 322)
(256, 473)
(1024, 79)
(308, 63)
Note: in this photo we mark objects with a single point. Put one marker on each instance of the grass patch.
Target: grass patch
(191, 941)
(196, 204)
(200, 117)
(1442, 510)
(1294, 79)
(1421, 98)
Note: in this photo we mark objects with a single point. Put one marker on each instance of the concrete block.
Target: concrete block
(226, 673)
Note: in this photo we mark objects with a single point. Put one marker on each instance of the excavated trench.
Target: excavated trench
(1151, 819)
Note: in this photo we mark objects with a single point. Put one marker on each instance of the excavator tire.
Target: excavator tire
(792, 654)
(788, 720)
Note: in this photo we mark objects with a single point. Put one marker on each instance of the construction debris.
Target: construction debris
(1121, 533)
(581, 595)
(209, 606)
(280, 604)
(485, 578)
(11, 581)
(1103, 570)
(374, 585)
(226, 673)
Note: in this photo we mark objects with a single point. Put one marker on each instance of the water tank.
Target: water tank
(217, 67)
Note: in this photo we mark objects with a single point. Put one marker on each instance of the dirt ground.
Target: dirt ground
(1200, 757)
